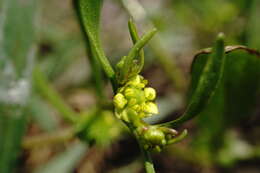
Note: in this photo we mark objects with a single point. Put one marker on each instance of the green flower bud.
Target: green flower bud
(135, 81)
(140, 85)
(144, 81)
(124, 116)
(146, 147)
(129, 92)
(157, 149)
(132, 102)
(142, 115)
(151, 108)
(149, 93)
(154, 136)
(119, 101)
(137, 108)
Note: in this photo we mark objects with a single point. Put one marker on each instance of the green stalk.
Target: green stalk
(148, 163)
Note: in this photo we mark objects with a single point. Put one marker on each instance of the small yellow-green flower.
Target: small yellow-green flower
(119, 101)
(150, 93)
(151, 108)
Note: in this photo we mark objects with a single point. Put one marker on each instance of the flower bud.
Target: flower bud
(154, 136)
(142, 115)
(151, 108)
(132, 102)
(129, 92)
(144, 81)
(124, 116)
(157, 149)
(135, 81)
(136, 108)
(119, 101)
(149, 93)
(146, 147)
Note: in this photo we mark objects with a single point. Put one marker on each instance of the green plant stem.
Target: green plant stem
(49, 93)
(148, 163)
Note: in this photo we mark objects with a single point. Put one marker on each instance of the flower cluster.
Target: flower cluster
(136, 98)
(133, 102)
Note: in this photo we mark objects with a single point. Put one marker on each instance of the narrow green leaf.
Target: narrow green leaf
(13, 123)
(126, 66)
(89, 11)
(135, 37)
(97, 74)
(139, 45)
(206, 84)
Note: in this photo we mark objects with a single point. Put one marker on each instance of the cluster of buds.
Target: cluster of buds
(133, 102)
(135, 97)
(155, 138)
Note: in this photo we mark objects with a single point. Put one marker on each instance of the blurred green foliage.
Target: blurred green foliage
(17, 52)
(184, 26)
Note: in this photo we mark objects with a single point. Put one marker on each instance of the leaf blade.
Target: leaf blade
(206, 85)
(89, 11)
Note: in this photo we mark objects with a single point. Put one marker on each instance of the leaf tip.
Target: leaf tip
(221, 36)
(154, 30)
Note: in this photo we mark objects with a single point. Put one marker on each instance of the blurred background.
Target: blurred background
(46, 77)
